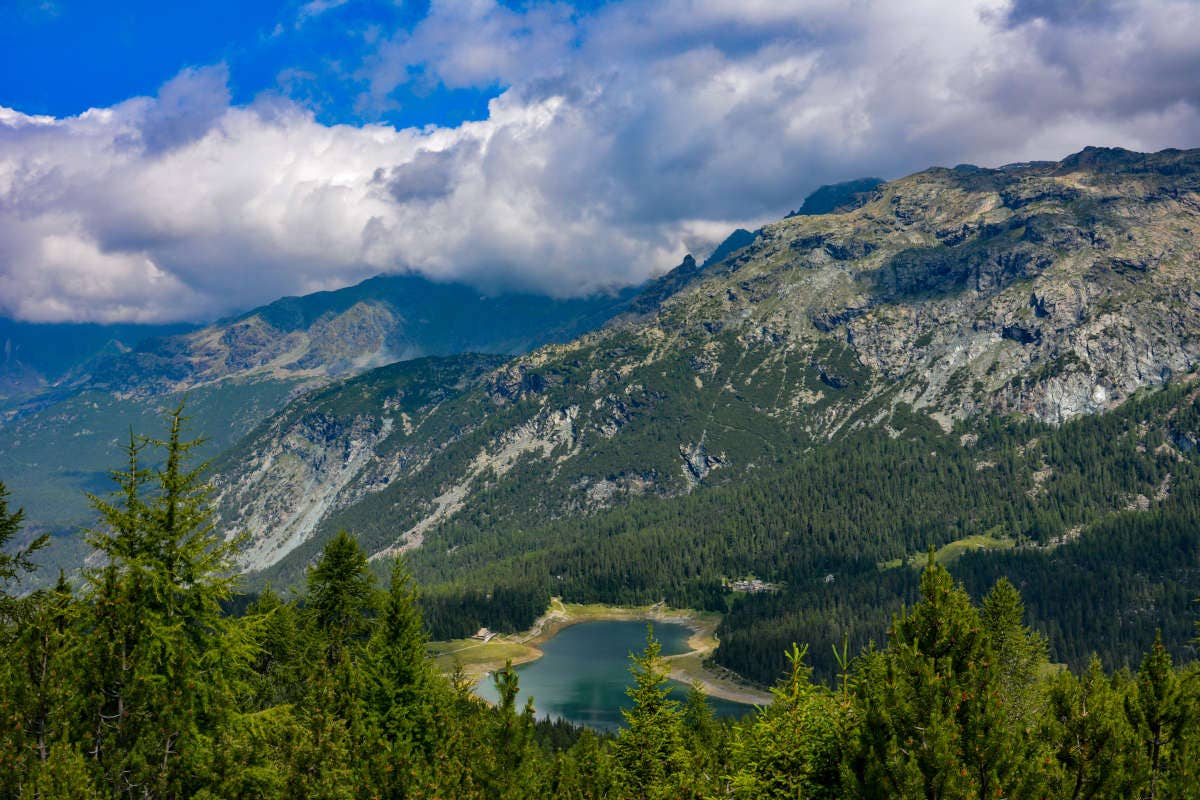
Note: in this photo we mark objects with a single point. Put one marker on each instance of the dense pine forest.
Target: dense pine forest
(136, 682)
(1093, 520)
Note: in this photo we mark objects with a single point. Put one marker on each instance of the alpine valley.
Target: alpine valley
(69, 394)
(995, 365)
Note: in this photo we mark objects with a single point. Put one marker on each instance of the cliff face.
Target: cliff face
(1049, 290)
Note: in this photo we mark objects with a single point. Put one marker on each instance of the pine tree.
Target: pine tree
(1019, 653)
(285, 653)
(1157, 709)
(652, 761)
(398, 663)
(65, 774)
(1094, 744)
(401, 691)
(507, 759)
(43, 643)
(930, 709)
(341, 597)
(705, 737)
(340, 589)
(35, 684)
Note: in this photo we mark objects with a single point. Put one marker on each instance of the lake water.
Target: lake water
(585, 669)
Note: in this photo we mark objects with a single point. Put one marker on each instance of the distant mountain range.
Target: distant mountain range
(71, 392)
(33, 356)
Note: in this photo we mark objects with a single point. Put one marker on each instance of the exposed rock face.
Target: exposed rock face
(1053, 289)
(1047, 289)
(307, 467)
(238, 371)
(698, 463)
(512, 384)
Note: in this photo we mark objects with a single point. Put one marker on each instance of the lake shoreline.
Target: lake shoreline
(478, 659)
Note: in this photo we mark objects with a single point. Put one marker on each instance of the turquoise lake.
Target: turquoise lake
(585, 669)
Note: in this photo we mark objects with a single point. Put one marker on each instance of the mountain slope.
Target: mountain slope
(1049, 290)
(34, 355)
(329, 334)
(61, 440)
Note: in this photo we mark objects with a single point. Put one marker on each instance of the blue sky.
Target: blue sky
(176, 161)
(61, 58)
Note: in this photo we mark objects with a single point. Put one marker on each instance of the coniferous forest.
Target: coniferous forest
(839, 528)
(136, 681)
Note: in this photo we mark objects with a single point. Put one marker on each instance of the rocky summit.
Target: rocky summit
(1043, 290)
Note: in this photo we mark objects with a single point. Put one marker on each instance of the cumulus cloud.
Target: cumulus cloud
(620, 139)
(186, 108)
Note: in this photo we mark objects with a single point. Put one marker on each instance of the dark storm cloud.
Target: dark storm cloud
(429, 176)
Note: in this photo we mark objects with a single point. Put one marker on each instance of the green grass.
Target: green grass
(951, 552)
(479, 657)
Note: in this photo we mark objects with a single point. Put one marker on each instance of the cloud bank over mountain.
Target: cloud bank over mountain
(619, 139)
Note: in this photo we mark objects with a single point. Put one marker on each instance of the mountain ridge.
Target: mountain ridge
(240, 370)
(1046, 290)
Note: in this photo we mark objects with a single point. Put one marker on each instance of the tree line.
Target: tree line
(135, 683)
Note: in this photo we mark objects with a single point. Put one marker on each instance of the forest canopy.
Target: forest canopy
(134, 682)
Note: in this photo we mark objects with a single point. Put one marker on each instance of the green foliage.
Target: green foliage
(651, 757)
(1019, 654)
(158, 659)
(1096, 754)
(13, 562)
(340, 591)
(398, 674)
(793, 747)
(140, 686)
(1158, 712)
(933, 719)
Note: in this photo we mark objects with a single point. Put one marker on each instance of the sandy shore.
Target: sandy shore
(478, 658)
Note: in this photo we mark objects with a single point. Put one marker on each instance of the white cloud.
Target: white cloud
(315, 8)
(623, 137)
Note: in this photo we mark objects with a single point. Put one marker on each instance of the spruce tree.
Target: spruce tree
(792, 747)
(652, 760)
(160, 659)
